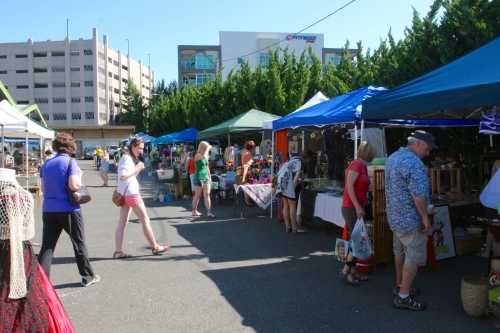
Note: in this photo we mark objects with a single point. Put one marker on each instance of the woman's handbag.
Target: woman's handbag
(80, 197)
(117, 198)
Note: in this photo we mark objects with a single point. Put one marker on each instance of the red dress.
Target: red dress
(41, 310)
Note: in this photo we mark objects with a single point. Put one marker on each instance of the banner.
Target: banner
(490, 122)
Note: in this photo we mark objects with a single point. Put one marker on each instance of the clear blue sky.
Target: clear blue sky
(157, 27)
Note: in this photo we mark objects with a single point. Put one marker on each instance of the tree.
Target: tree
(134, 109)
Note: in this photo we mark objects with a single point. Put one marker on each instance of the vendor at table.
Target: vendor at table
(354, 200)
(246, 163)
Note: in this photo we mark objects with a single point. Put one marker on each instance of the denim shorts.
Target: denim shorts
(198, 182)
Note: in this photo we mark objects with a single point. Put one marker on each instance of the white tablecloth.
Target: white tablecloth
(261, 194)
(329, 208)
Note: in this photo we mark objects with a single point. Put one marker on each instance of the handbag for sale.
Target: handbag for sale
(80, 197)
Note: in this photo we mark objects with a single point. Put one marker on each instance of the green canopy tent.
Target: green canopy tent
(249, 121)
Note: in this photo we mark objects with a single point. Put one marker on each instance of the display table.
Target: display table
(329, 208)
(261, 194)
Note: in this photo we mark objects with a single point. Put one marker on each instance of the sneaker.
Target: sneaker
(413, 291)
(211, 215)
(408, 303)
(88, 282)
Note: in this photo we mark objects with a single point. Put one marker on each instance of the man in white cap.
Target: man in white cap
(407, 199)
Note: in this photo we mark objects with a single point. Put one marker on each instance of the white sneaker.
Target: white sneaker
(93, 280)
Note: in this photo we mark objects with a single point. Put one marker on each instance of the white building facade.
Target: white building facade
(253, 47)
(75, 83)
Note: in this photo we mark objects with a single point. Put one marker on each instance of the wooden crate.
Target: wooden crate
(382, 234)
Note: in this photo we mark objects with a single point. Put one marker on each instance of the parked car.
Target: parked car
(88, 153)
(112, 150)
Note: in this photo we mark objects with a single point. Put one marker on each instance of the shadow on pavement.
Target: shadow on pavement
(67, 285)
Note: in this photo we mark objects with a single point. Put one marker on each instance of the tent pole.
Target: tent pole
(3, 146)
(303, 142)
(27, 161)
(272, 170)
(355, 141)
(362, 131)
(491, 141)
(228, 139)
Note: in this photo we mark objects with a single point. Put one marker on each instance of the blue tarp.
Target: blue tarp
(145, 137)
(457, 88)
(188, 135)
(338, 110)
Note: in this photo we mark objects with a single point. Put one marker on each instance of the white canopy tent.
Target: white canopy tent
(14, 124)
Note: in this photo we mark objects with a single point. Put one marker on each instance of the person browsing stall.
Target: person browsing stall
(407, 199)
(202, 179)
(354, 199)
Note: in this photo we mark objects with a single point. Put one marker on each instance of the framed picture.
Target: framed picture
(442, 235)
(341, 249)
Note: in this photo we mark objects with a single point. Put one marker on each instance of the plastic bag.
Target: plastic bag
(360, 241)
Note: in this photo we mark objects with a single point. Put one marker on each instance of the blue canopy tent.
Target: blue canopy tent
(188, 135)
(455, 90)
(338, 110)
(145, 137)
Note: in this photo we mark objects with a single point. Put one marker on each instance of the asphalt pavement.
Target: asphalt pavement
(230, 274)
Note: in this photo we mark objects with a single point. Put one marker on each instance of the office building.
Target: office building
(77, 84)
(199, 63)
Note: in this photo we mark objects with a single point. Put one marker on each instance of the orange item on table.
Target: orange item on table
(282, 144)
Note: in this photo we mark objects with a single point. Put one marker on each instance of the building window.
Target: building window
(110, 74)
(124, 81)
(39, 54)
(333, 59)
(57, 53)
(3, 72)
(88, 52)
(40, 70)
(75, 53)
(41, 101)
(76, 116)
(125, 67)
(116, 77)
(102, 100)
(264, 59)
(24, 86)
(203, 78)
(89, 115)
(76, 100)
(58, 100)
(3, 56)
(101, 55)
(75, 84)
(75, 69)
(88, 68)
(56, 69)
(45, 116)
(116, 63)
(21, 71)
(59, 116)
(117, 105)
(110, 60)
(58, 85)
(102, 85)
(23, 102)
(102, 71)
(89, 83)
(41, 85)
(21, 56)
(117, 91)
(89, 99)
(203, 61)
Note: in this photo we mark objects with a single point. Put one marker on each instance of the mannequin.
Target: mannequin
(27, 298)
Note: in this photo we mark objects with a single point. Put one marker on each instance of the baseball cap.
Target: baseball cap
(426, 137)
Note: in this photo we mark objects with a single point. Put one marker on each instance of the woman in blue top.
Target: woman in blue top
(58, 174)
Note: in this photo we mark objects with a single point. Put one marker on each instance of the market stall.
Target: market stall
(465, 89)
(13, 124)
(226, 164)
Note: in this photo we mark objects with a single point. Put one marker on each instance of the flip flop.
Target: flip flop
(121, 255)
(160, 250)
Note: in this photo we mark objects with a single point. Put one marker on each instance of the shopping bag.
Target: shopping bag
(341, 250)
(360, 241)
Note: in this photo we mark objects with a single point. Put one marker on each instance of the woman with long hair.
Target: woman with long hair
(202, 179)
(353, 204)
(129, 167)
(286, 188)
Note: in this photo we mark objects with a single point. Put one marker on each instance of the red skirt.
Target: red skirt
(41, 310)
